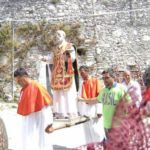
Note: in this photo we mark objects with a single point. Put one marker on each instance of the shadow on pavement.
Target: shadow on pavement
(57, 147)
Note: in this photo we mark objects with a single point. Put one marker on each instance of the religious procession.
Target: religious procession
(75, 75)
(110, 114)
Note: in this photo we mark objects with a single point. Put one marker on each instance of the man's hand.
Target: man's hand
(49, 129)
(80, 99)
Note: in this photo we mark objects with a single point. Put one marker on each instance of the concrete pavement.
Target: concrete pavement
(61, 139)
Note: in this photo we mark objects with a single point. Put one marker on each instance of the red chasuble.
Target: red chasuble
(62, 77)
(91, 88)
(33, 98)
(147, 94)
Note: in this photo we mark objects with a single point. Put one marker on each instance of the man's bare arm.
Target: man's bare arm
(88, 100)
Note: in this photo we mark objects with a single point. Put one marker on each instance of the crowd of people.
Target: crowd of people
(74, 97)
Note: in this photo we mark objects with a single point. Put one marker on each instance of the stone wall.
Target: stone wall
(115, 32)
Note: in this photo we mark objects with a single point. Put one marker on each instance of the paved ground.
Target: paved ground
(60, 139)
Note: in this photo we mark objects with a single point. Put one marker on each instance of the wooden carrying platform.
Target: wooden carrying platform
(64, 123)
(75, 132)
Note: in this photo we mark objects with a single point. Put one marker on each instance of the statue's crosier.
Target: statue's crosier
(64, 77)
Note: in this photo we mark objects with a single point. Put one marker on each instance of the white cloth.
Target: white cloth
(134, 90)
(33, 135)
(96, 130)
(95, 127)
(65, 101)
(42, 74)
(90, 110)
(78, 135)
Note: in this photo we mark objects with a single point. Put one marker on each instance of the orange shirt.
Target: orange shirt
(147, 94)
(91, 88)
(33, 98)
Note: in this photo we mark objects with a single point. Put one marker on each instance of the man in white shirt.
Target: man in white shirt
(133, 88)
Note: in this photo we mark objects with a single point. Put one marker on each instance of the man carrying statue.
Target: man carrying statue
(64, 77)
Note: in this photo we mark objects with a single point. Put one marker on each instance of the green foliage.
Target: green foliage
(5, 37)
(42, 33)
(38, 34)
(27, 29)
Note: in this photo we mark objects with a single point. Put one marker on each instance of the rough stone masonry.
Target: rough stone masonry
(120, 29)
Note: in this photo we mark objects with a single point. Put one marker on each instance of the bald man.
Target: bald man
(133, 88)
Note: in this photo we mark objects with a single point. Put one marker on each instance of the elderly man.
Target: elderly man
(133, 88)
(64, 77)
